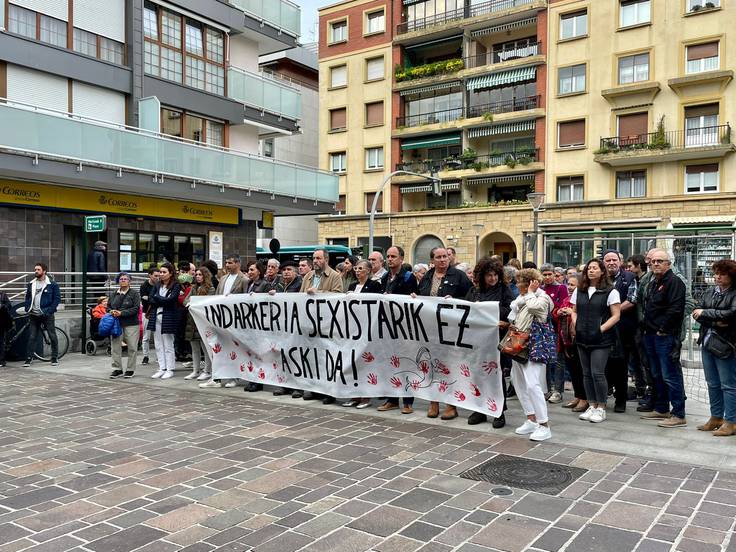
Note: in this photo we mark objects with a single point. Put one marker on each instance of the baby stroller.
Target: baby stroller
(95, 340)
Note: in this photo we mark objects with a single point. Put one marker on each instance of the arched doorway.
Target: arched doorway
(498, 243)
(422, 247)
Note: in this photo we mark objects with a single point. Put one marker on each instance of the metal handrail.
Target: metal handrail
(443, 116)
(459, 13)
(457, 162)
(688, 138)
(504, 54)
(505, 106)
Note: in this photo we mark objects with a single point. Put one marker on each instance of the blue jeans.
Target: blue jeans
(721, 377)
(556, 373)
(666, 375)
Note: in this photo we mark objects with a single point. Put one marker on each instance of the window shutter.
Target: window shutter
(340, 204)
(374, 113)
(700, 51)
(374, 69)
(635, 124)
(572, 133)
(369, 203)
(338, 119)
(697, 169)
(701, 110)
(339, 76)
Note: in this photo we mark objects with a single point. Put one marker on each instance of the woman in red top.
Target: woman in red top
(555, 368)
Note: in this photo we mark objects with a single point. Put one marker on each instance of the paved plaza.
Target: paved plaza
(114, 466)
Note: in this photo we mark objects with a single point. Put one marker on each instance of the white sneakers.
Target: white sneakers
(231, 384)
(168, 374)
(594, 415)
(192, 376)
(536, 432)
(204, 376)
(527, 428)
(158, 374)
(211, 383)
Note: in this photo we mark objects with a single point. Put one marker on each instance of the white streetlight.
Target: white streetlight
(536, 200)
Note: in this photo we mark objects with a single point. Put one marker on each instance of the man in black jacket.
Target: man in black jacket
(145, 292)
(289, 282)
(397, 281)
(663, 316)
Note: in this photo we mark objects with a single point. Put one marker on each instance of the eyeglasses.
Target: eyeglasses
(659, 261)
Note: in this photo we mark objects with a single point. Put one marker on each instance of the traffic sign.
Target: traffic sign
(96, 223)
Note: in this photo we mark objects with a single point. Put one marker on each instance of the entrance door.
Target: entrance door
(505, 250)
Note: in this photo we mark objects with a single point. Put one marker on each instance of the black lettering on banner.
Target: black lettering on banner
(462, 325)
(285, 367)
(308, 304)
(383, 321)
(334, 321)
(397, 320)
(227, 317)
(368, 304)
(294, 322)
(263, 316)
(354, 366)
(416, 310)
(274, 315)
(320, 318)
(359, 329)
(441, 324)
(238, 315)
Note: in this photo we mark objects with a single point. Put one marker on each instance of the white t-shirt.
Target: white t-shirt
(229, 282)
(613, 298)
(359, 287)
(162, 291)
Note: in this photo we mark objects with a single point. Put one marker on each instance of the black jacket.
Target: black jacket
(719, 314)
(371, 286)
(145, 292)
(128, 304)
(405, 283)
(97, 262)
(665, 305)
(171, 311)
(6, 314)
(500, 292)
(293, 287)
(592, 313)
(258, 286)
(455, 284)
(627, 324)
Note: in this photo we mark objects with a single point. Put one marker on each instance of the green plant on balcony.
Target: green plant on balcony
(526, 151)
(525, 160)
(480, 165)
(488, 116)
(510, 162)
(469, 155)
(427, 70)
(659, 138)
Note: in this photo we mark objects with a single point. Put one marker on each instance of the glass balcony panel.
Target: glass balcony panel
(261, 92)
(307, 183)
(286, 179)
(279, 13)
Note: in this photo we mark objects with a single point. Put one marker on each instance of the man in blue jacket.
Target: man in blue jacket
(42, 300)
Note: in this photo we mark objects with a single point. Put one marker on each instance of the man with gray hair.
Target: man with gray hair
(509, 277)
(271, 277)
(378, 271)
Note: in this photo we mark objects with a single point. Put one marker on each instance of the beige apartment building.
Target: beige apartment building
(639, 141)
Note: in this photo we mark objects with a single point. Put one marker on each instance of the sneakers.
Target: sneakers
(2, 364)
(115, 374)
(145, 360)
(129, 374)
(555, 397)
(363, 404)
(27, 363)
(585, 416)
(542, 433)
(673, 421)
(193, 375)
(598, 415)
(388, 406)
(231, 384)
(158, 374)
(188, 365)
(210, 384)
(54, 362)
(167, 374)
(351, 403)
(527, 428)
(654, 415)
(204, 376)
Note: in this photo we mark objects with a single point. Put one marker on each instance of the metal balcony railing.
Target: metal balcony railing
(264, 92)
(445, 116)
(522, 156)
(505, 106)
(673, 139)
(506, 53)
(459, 13)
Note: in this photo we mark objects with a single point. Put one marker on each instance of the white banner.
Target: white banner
(357, 345)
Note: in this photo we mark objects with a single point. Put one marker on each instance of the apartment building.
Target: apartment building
(468, 89)
(149, 112)
(640, 149)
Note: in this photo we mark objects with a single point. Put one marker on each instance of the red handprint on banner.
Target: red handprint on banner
(474, 389)
(415, 384)
(443, 386)
(233, 355)
(395, 362)
(216, 348)
(464, 370)
(396, 382)
(209, 333)
(368, 357)
(424, 367)
(372, 379)
(442, 368)
(250, 366)
(459, 395)
(261, 374)
(274, 366)
(491, 405)
(273, 348)
(281, 379)
(242, 367)
(490, 366)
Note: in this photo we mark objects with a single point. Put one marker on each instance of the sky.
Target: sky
(309, 18)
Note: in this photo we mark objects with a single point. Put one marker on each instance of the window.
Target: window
(53, 31)
(701, 178)
(338, 76)
(631, 184)
(374, 68)
(141, 250)
(697, 5)
(635, 12)
(701, 125)
(111, 50)
(215, 133)
(267, 147)
(192, 127)
(338, 119)
(369, 203)
(340, 205)
(85, 42)
(571, 79)
(374, 158)
(374, 114)
(150, 20)
(702, 57)
(170, 28)
(338, 162)
(632, 129)
(570, 188)
(171, 122)
(338, 31)
(151, 58)
(633, 68)
(195, 43)
(21, 21)
(573, 24)
(571, 134)
(375, 22)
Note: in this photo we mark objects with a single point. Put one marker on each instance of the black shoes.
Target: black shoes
(297, 394)
(115, 374)
(309, 396)
(27, 363)
(328, 400)
(280, 391)
(145, 360)
(477, 418)
(128, 374)
(619, 408)
(499, 422)
(253, 387)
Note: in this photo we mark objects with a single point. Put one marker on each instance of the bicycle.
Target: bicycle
(15, 346)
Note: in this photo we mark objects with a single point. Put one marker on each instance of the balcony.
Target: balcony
(466, 12)
(506, 106)
(280, 14)
(470, 164)
(437, 117)
(88, 143)
(265, 94)
(505, 54)
(663, 146)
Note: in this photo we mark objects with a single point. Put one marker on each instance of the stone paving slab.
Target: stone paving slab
(154, 468)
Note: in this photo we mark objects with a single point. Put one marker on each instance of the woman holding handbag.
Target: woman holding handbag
(596, 310)
(528, 378)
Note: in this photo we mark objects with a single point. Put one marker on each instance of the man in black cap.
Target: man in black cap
(289, 282)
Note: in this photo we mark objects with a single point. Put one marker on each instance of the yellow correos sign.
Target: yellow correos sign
(77, 199)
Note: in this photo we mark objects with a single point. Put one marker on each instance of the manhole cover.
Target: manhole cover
(523, 473)
(502, 491)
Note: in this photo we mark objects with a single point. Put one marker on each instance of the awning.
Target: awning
(526, 177)
(433, 42)
(415, 189)
(505, 27)
(717, 219)
(432, 141)
(449, 186)
(503, 77)
(505, 128)
(440, 86)
(410, 2)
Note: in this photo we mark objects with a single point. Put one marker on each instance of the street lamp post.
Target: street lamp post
(536, 200)
(435, 185)
(478, 228)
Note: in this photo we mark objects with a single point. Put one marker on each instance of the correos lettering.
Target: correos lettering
(20, 193)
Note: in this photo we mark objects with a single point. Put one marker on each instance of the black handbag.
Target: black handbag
(718, 346)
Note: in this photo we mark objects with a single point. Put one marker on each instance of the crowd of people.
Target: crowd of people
(614, 320)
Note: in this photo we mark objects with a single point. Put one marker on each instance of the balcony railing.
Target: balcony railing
(673, 139)
(264, 93)
(522, 156)
(445, 116)
(281, 14)
(76, 139)
(507, 53)
(505, 106)
(459, 13)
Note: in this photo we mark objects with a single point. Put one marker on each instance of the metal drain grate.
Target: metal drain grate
(524, 473)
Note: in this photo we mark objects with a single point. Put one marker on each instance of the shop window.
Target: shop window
(631, 184)
(574, 24)
(140, 250)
